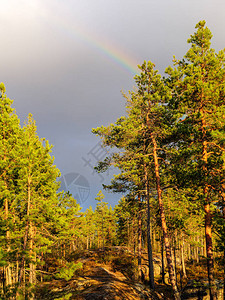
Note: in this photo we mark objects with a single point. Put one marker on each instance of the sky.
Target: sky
(67, 61)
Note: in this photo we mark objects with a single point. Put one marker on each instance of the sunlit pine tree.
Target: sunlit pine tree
(198, 89)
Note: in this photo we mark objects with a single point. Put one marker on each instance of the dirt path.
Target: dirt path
(105, 284)
(97, 282)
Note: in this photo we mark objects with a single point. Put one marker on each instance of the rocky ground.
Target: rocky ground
(111, 275)
(98, 279)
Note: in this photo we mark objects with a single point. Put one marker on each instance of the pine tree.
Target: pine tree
(90, 227)
(10, 132)
(36, 190)
(197, 84)
(100, 213)
(140, 135)
(66, 223)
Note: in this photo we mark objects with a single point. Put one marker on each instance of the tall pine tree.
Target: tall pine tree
(198, 89)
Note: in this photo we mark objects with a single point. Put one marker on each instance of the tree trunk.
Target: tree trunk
(209, 252)
(208, 223)
(163, 223)
(32, 265)
(8, 268)
(103, 234)
(223, 210)
(153, 240)
(139, 237)
(8, 271)
(98, 241)
(174, 256)
(134, 237)
(182, 258)
(197, 250)
(26, 235)
(162, 258)
(150, 258)
(87, 242)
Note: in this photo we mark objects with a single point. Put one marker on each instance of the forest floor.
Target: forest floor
(109, 275)
(104, 275)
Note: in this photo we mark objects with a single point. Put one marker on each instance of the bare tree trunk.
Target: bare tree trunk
(139, 237)
(91, 239)
(134, 237)
(98, 239)
(182, 258)
(150, 258)
(153, 240)
(87, 242)
(8, 271)
(32, 264)
(223, 210)
(163, 223)
(162, 258)
(208, 222)
(174, 256)
(209, 252)
(26, 235)
(224, 273)
(17, 270)
(197, 249)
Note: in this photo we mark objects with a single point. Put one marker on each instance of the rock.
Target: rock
(199, 289)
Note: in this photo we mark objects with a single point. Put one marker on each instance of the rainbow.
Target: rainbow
(113, 52)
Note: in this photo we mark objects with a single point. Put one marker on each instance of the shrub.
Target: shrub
(68, 271)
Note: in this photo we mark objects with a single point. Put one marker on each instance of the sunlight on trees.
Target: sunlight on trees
(169, 149)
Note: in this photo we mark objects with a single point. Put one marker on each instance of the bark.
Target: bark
(153, 240)
(209, 252)
(98, 239)
(182, 258)
(150, 258)
(224, 273)
(208, 222)
(134, 237)
(163, 222)
(32, 265)
(28, 232)
(91, 239)
(175, 257)
(103, 234)
(8, 271)
(162, 257)
(17, 271)
(223, 210)
(128, 234)
(32, 275)
(197, 250)
(139, 237)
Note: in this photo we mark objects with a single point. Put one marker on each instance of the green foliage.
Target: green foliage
(2, 88)
(104, 220)
(68, 271)
(65, 297)
(34, 219)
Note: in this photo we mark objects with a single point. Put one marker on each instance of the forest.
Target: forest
(168, 228)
